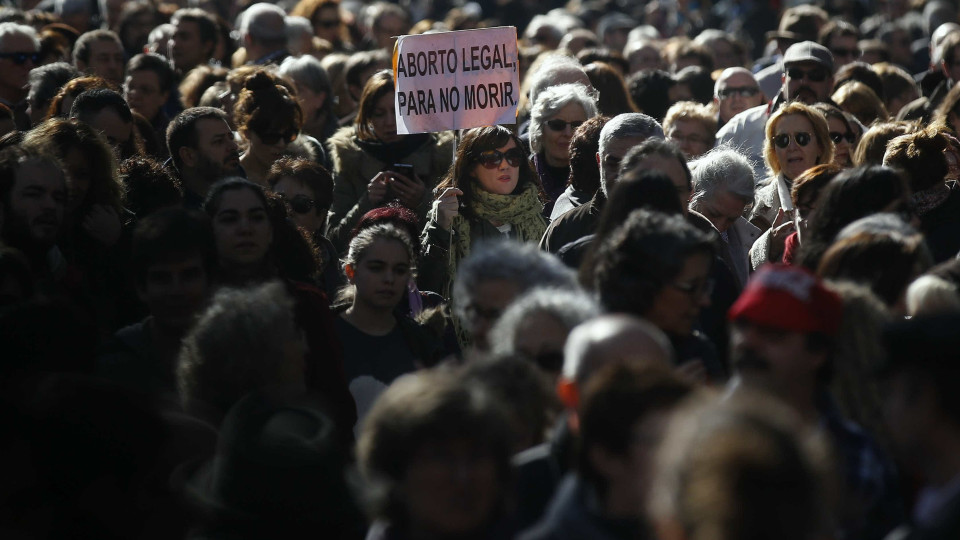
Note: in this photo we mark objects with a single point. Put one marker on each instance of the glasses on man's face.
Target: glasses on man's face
(695, 289)
(836, 137)
(689, 139)
(741, 91)
(557, 124)
(271, 138)
(840, 51)
(783, 140)
(491, 159)
(300, 204)
(813, 75)
(21, 58)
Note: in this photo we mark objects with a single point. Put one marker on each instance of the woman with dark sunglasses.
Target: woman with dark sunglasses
(797, 138)
(557, 113)
(842, 132)
(490, 192)
(268, 118)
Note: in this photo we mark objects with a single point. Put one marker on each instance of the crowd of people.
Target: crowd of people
(707, 287)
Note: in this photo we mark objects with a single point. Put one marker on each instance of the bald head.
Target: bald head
(611, 338)
(729, 92)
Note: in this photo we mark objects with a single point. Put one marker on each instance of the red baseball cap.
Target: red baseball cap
(791, 298)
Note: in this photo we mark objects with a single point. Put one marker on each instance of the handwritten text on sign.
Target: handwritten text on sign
(456, 80)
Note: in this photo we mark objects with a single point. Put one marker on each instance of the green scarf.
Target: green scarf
(522, 211)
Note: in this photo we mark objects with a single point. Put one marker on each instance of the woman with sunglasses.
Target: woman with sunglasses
(489, 193)
(557, 113)
(842, 133)
(373, 164)
(268, 118)
(797, 138)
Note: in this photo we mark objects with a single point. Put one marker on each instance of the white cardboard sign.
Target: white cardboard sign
(456, 80)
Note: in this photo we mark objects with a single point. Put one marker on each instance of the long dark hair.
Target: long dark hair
(473, 143)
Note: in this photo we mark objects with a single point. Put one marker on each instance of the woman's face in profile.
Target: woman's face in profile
(384, 120)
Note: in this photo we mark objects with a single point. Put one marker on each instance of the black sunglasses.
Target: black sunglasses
(328, 24)
(557, 124)
(273, 138)
(300, 204)
(20, 58)
(840, 51)
(814, 75)
(742, 91)
(491, 159)
(836, 137)
(783, 140)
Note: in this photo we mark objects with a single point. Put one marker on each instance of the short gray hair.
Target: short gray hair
(254, 23)
(722, 169)
(11, 28)
(569, 307)
(627, 125)
(548, 70)
(307, 71)
(297, 27)
(236, 346)
(551, 100)
(520, 263)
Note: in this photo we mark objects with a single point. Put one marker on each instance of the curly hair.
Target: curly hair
(263, 104)
(71, 90)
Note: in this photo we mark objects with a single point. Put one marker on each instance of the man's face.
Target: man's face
(808, 82)
(845, 51)
(674, 171)
(106, 60)
(37, 201)
(773, 359)
(217, 154)
(15, 69)
(489, 299)
(737, 93)
(610, 157)
(385, 30)
(723, 209)
(187, 50)
(175, 291)
(691, 136)
(142, 92)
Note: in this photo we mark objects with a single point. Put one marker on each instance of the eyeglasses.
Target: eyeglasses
(836, 137)
(300, 204)
(783, 140)
(273, 138)
(20, 58)
(840, 51)
(557, 124)
(694, 139)
(695, 289)
(742, 91)
(329, 24)
(814, 75)
(491, 159)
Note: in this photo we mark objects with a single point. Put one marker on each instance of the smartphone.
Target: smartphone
(403, 168)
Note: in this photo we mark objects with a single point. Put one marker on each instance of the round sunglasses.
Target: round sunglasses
(836, 137)
(491, 159)
(783, 140)
(272, 138)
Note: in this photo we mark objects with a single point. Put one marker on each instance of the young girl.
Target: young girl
(379, 343)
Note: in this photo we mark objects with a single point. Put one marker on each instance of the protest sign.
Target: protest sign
(456, 80)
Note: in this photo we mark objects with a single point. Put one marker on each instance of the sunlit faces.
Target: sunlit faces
(387, 29)
(808, 82)
(37, 202)
(842, 145)
(327, 23)
(692, 137)
(677, 305)
(844, 49)
(502, 179)
(384, 120)
(142, 91)
(242, 229)
(723, 209)
(733, 95)
(381, 275)
(795, 158)
(556, 143)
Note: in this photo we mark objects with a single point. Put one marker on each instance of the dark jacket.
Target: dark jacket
(573, 225)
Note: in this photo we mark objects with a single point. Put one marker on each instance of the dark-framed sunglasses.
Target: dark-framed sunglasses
(272, 138)
(783, 140)
(491, 159)
(329, 24)
(557, 124)
(840, 51)
(742, 91)
(814, 75)
(836, 137)
(300, 204)
(20, 58)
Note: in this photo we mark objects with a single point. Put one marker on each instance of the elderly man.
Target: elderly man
(735, 91)
(618, 136)
(785, 326)
(807, 76)
(723, 186)
(264, 34)
(19, 53)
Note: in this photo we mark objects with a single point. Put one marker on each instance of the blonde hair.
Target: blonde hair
(821, 131)
(691, 110)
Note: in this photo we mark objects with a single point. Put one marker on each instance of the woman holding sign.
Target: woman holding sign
(490, 193)
(557, 113)
(373, 164)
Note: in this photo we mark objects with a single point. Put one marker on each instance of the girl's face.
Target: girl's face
(242, 229)
(271, 144)
(499, 177)
(384, 120)
(843, 148)
(381, 275)
(796, 145)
